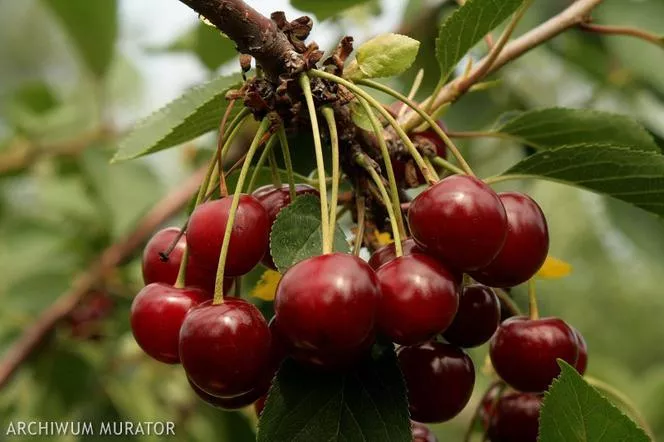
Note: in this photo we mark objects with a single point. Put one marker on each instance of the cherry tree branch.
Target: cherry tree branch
(110, 258)
(624, 31)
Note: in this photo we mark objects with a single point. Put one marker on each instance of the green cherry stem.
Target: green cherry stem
(219, 283)
(361, 214)
(285, 150)
(320, 164)
(274, 168)
(508, 301)
(532, 300)
(328, 113)
(501, 178)
(442, 162)
(259, 164)
(432, 169)
(377, 179)
(376, 105)
(430, 121)
(413, 91)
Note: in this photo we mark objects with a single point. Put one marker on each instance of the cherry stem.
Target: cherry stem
(180, 281)
(532, 300)
(219, 283)
(378, 181)
(387, 160)
(223, 189)
(413, 91)
(502, 178)
(478, 409)
(442, 162)
(328, 113)
(430, 121)
(361, 214)
(508, 301)
(320, 164)
(376, 105)
(258, 167)
(285, 150)
(164, 256)
(431, 168)
(624, 400)
(274, 168)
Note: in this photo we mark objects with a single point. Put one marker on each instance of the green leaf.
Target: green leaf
(386, 55)
(325, 9)
(367, 404)
(196, 112)
(93, 28)
(549, 128)
(633, 176)
(467, 26)
(296, 234)
(359, 116)
(575, 411)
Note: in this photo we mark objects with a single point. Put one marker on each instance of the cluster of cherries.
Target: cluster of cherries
(329, 309)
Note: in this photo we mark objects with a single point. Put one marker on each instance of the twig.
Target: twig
(624, 31)
(107, 261)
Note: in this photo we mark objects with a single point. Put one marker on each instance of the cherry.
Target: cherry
(439, 378)
(156, 316)
(460, 220)
(428, 138)
(259, 405)
(232, 403)
(477, 318)
(225, 348)
(274, 199)
(526, 246)
(327, 305)
(582, 362)
(422, 433)
(249, 238)
(419, 299)
(514, 417)
(387, 253)
(524, 351)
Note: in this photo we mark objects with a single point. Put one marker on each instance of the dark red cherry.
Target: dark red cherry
(460, 220)
(225, 348)
(156, 316)
(428, 138)
(582, 362)
(525, 248)
(419, 299)
(274, 199)
(477, 318)
(422, 433)
(259, 405)
(439, 379)
(249, 238)
(514, 417)
(327, 304)
(158, 269)
(232, 403)
(387, 253)
(524, 351)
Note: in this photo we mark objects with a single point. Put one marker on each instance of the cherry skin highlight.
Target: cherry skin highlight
(157, 313)
(225, 348)
(524, 351)
(525, 248)
(249, 237)
(459, 220)
(439, 378)
(327, 305)
(419, 299)
(477, 318)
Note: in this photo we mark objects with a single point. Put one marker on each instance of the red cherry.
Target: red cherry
(327, 304)
(274, 199)
(249, 238)
(439, 379)
(225, 348)
(460, 220)
(387, 253)
(477, 318)
(524, 351)
(259, 405)
(422, 433)
(156, 316)
(526, 246)
(433, 139)
(232, 403)
(582, 362)
(512, 418)
(419, 299)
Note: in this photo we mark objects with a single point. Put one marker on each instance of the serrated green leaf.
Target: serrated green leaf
(196, 112)
(386, 55)
(554, 127)
(467, 26)
(296, 234)
(325, 9)
(367, 404)
(633, 176)
(359, 116)
(93, 28)
(573, 411)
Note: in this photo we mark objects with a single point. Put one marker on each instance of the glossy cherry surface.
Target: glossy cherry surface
(249, 237)
(514, 417)
(387, 253)
(422, 433)
(157, 313)
(225, 348)
(419, 299)
(477, 318)
(327, 304)
(231, 403)
(439, 378)
(461, 221)
(526, 245)
(582, 362)
(524, 351)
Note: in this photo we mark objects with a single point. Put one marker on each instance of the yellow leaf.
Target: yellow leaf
(384, 238)
(267, 286)
(554, 268)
